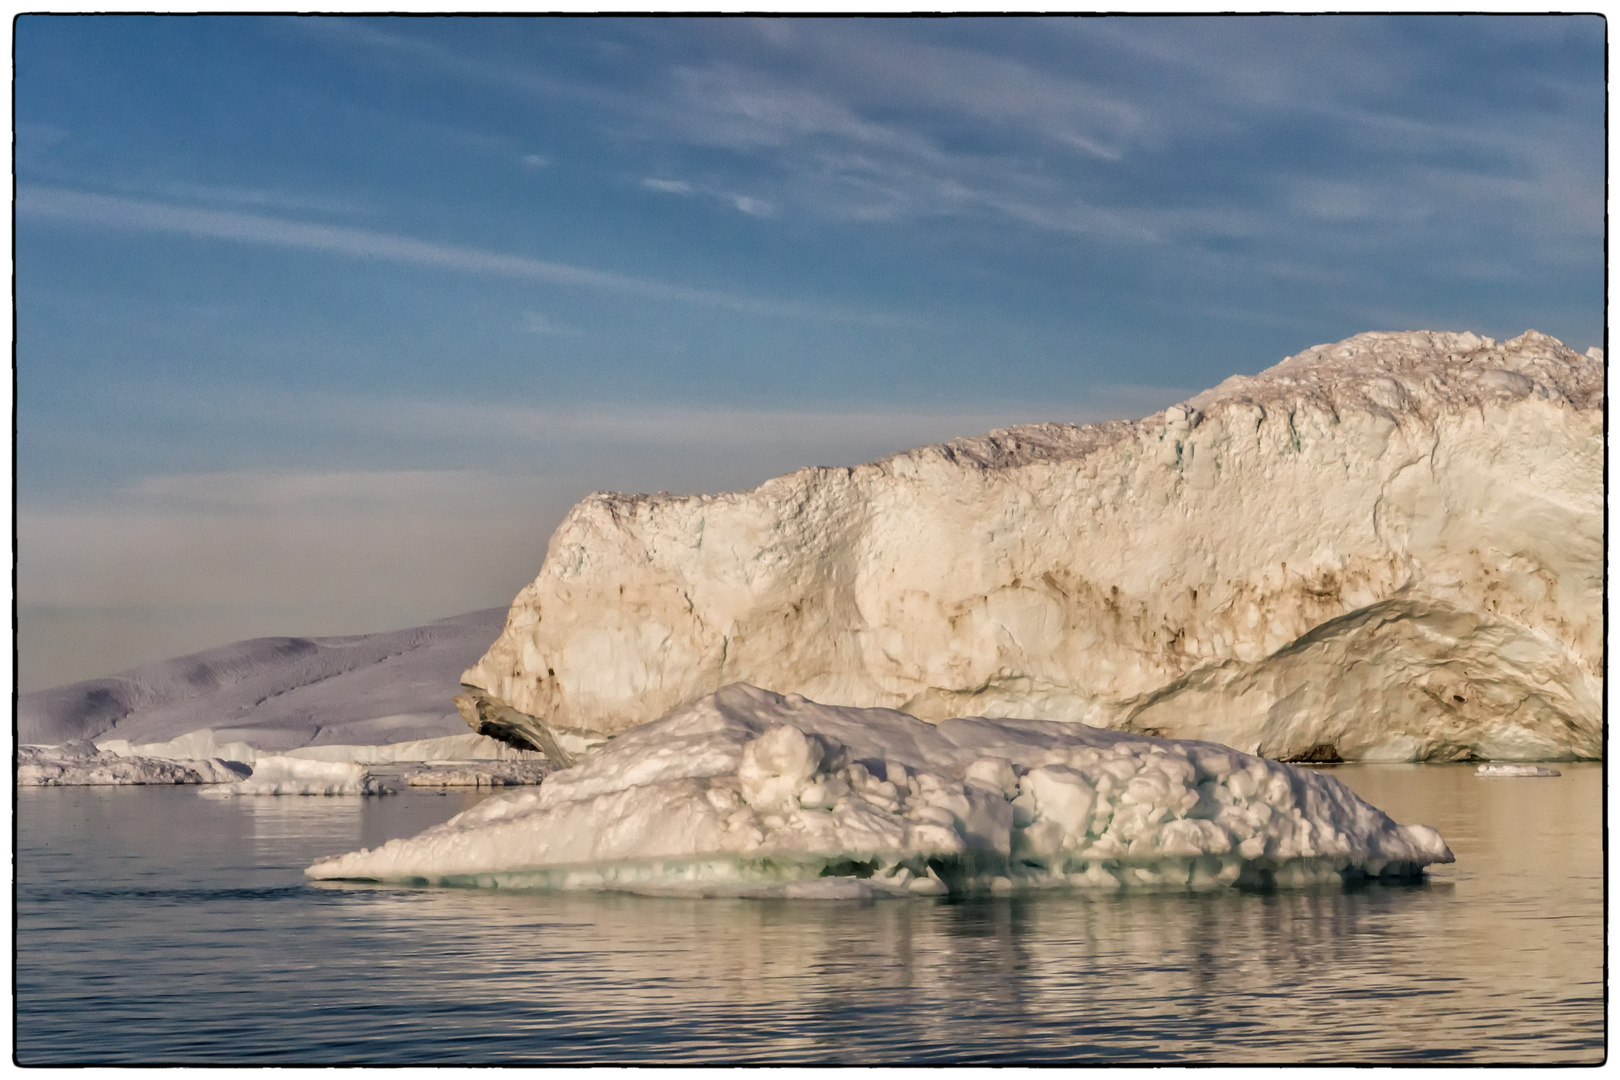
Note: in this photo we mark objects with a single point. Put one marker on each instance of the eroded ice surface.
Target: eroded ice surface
(750, 792)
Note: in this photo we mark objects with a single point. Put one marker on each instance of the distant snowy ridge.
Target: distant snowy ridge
(278, 694)
(747, 792)
(1390, 548)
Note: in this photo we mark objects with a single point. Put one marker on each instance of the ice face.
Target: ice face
(750, 792)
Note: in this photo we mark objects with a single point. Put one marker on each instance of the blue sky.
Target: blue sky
(323, 323)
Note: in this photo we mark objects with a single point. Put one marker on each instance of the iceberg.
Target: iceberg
(476, 774)
(1506, 769)
(80, 764)
(207, 743)
(748, 792)
(275, 695)
(301, 776)
(1385, 549)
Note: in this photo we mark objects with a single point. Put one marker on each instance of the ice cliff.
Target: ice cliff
(1390, 548)
(753, 793)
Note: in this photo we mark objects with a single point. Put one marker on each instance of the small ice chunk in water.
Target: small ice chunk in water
(1509, 769)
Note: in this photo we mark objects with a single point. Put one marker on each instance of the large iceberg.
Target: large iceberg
(749, 792)
(1390, 548)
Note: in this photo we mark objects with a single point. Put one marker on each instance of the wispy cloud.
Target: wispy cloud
(115, 212)
(265, 198)
(536, 323)
(747, 204)
(670, 187)
(753, 207)
(861, 131)
(1059, 125)
(863, 123)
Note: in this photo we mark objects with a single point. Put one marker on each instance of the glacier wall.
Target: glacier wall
(1390, 548)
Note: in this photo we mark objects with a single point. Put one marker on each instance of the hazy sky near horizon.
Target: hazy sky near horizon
(323, 323)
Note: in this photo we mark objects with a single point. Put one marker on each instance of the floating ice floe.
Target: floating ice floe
(300, 776)
(747, 792)
(1505, 769)
(79, 764)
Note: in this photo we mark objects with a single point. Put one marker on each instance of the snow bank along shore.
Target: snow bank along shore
(1388, 549)
(748, 792)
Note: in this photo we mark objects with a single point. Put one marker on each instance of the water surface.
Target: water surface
(154, 926)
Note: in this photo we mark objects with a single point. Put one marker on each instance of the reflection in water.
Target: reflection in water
(227, 956)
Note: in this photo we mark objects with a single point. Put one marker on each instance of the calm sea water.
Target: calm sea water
(154, 926)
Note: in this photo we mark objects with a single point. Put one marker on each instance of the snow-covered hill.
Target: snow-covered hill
(278, 693)
(1385, 549)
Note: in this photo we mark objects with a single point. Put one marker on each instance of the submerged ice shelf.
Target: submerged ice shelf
(748, 792)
